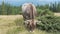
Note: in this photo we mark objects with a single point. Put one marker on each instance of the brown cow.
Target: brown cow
(29, 13)
(31, 26)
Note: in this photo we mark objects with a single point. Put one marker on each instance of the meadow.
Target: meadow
(11, 19)
(13, 24)
(8, 25)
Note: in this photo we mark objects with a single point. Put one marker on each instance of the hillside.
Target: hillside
(8, 26)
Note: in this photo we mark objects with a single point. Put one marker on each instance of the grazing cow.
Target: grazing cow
(29, 13)
(31, 26)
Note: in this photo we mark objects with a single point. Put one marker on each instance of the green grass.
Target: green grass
(13, 24)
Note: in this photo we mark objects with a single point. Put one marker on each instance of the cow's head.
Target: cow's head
(30, 25)
(29, 21)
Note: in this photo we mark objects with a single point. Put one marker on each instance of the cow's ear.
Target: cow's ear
(38, 22)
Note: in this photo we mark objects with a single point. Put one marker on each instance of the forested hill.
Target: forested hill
(7, 9)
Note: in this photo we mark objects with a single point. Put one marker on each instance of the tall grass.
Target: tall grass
(19, 26)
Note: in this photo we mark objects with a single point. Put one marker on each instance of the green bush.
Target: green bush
(44, 12)
(49, 23)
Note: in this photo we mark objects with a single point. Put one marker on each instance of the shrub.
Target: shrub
(44, 12)
(49, 23)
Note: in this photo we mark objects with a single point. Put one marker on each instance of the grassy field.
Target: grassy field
(57, 14)
(11, 24)
(7, 23)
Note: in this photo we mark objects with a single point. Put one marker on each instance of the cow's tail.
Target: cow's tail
(32, 13)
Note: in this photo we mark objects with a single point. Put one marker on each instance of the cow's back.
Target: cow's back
(28, 10)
